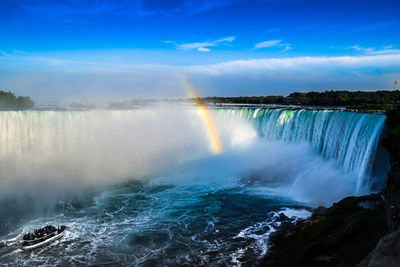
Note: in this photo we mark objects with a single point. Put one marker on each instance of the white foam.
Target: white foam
(261, 232)
(296, 213)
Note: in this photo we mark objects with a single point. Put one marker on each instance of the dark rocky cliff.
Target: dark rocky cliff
(386, 253)
(341, 235)
(392, 191)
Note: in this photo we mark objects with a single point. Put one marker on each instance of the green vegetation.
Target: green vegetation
(347, 98)
(370, 107)
(378, 100)
(9, 100)
(246, 100)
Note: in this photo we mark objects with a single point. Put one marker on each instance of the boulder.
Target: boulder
(320, 211)
(386, 253)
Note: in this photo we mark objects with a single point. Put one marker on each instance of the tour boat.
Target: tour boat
(42, 236)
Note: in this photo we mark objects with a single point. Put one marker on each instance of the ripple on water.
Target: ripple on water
(165, 225)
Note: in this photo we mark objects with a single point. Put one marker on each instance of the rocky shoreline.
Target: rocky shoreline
(356, 231)
(342, 235)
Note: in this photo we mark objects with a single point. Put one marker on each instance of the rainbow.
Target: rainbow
(207, 118)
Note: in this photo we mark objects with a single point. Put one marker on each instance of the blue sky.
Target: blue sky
(69, 49)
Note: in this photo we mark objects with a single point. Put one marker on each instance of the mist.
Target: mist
(70, 151)
(73, 149)
(293, 171)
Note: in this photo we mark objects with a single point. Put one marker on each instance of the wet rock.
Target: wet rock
(275, 235)
(262, 231)
(386, 253)
(342, 237)
(283, 217)
(392, 197)
(320, 211)
(369, 204)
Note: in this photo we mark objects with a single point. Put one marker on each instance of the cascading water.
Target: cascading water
(164, 197)
(351, 138)
(95, 146)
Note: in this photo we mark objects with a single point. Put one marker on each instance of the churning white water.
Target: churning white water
(318, 149)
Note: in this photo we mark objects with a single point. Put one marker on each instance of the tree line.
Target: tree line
(10, 100)
(352, 99)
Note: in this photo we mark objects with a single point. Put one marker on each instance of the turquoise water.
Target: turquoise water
(144, 188)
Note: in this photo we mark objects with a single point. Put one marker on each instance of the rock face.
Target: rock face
(392, 191)
(386, 253)
(320, 211)
(341, 235)
(392, 196)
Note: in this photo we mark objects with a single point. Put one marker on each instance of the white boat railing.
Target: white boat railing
(40, 238)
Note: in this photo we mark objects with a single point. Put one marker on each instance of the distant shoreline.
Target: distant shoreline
(350, 100)
(62, 108)
(9, 100)
(370, 101)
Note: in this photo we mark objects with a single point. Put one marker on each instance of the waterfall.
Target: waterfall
(73, 146)
(122, 143)
(351, 138)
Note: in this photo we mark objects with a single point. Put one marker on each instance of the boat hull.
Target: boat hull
(53, 238)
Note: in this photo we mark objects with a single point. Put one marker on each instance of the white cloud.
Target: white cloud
(19, 52)
(67, 76)
(287, 47)
(389, 49)
(288, 65)
(3, 53)
(12, 53)
(202, 46)
(273, 43)
(298, 64)
(203, 49)
(268, 44)
(227, 39)
(190, 46)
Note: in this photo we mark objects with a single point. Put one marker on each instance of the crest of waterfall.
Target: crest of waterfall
(351, 138)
